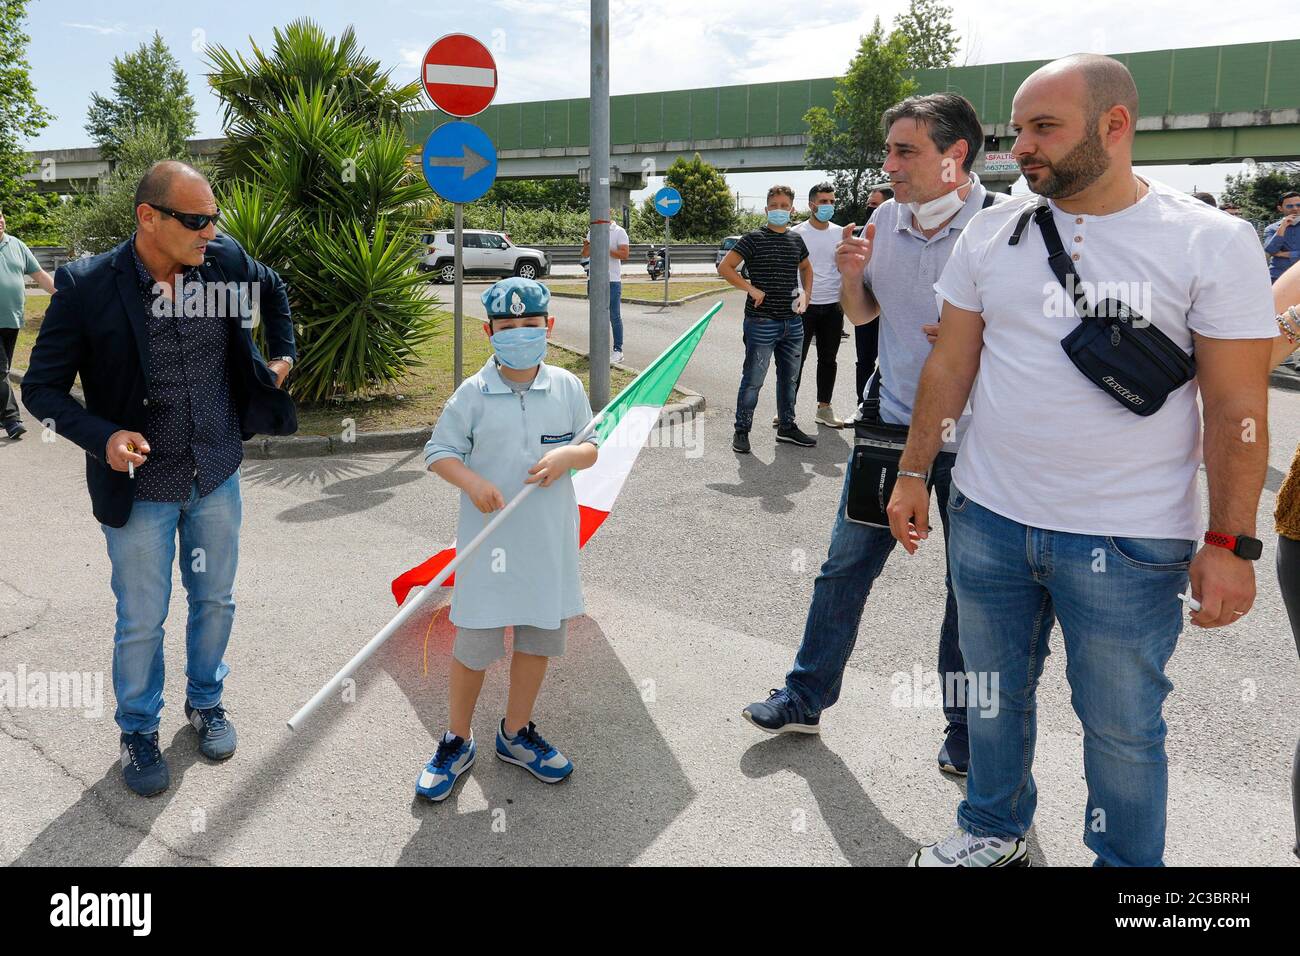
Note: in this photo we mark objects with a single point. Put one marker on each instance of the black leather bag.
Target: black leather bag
(1115, 348)
(877, 449)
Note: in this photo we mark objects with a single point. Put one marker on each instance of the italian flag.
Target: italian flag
(623, 427)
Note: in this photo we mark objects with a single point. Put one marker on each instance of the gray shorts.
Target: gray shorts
(477, 647)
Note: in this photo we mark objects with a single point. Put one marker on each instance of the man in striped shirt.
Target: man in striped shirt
(777, 263)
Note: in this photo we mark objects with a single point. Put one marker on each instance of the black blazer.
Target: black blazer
(96, 327)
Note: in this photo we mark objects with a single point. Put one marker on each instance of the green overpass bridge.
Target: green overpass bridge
(1196, 105)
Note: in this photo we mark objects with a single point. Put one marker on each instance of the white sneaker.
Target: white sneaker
(617, 357)
(966, 849)
(825, 416)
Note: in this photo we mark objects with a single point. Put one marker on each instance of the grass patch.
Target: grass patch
(416, 401)
(677, 288)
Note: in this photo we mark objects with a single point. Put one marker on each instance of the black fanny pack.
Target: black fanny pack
(1118, 350)
(877, 449)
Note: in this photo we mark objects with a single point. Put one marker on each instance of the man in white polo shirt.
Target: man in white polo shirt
(1065, 504)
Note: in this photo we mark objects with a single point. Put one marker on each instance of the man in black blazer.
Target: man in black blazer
(160, 331)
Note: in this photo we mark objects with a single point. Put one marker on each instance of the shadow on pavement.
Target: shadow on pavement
(626, 789)
(864, 835)
(109, 822)
(791, 472)
(349, 495)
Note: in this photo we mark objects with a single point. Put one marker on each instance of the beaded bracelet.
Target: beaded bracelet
(1288, 321)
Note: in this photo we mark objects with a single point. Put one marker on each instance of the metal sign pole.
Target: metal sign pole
(457, 307)
(668, 228)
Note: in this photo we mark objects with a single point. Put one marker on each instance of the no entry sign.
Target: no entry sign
(459, 75)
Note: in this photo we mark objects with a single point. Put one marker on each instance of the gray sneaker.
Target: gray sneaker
(826, 416)
(216, 733)
(966, 849)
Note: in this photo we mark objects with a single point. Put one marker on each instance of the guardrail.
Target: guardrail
(686, 252)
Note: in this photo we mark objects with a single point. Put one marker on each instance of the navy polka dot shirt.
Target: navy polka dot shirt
(192, 424)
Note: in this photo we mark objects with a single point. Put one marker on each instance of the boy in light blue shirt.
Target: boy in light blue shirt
(509, 425)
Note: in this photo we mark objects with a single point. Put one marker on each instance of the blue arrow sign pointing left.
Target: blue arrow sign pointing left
(668, 201)
(459, 162)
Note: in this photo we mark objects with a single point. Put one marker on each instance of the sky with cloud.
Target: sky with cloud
(542, 47)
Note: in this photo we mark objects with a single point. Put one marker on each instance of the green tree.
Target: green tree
(98, 219)
(150, 87)
(561, 194)
(1259, 192)
(20, 115)
(708, 208)
(849, 142)
(319, 187)
(932, 41)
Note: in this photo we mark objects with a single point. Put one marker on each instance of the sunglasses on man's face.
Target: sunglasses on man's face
(190, 220)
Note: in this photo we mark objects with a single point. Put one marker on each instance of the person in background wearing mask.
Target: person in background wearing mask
(483, 446)
(620, 250)
(931, 144)
(824, 319)
(1282, 238)
(16, 261)
(780, 282)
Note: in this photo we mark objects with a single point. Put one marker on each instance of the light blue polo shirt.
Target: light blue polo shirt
(16, 261)
(526, 572)
(901, 274)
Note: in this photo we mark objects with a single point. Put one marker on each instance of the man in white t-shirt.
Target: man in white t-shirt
(823, 320)
(619, 249)
(1065, 504)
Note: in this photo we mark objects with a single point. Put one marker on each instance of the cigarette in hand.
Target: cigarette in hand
(130, 465)
(1191, 602)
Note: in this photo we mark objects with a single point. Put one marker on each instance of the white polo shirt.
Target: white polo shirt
(1046, 447)
(617, 237)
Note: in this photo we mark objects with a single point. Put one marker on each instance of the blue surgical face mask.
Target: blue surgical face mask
(824, 212)
(778, 217)
(520, 348)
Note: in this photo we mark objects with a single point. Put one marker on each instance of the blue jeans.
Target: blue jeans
(142, 553)
(1117, 601)
(762, 338)
(855, 559)
(616, 313)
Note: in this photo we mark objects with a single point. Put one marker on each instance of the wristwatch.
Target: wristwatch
(284, 358)
(1242, 545)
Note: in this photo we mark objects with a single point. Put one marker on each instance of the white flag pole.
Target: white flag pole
(412, 603)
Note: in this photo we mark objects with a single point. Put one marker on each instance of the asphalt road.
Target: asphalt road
(696, 591)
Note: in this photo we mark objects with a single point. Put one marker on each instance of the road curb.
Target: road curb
(266, 447)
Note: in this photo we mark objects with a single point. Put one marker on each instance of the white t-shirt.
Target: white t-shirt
(1046, 447)
(617, 237)
(821, 245)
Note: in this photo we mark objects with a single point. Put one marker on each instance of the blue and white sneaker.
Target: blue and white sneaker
(954, 755)
(966, 849)
(216, 732)
(781, 713)
(530, 750)
(452, 758)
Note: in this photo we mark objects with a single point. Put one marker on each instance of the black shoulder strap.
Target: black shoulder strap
(988, 199)
(1060, 263)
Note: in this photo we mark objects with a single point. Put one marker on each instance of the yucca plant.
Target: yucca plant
(319, 187)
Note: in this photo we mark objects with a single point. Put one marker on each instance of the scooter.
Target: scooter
(656, 262)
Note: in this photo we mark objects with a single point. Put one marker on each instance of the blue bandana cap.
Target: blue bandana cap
(516, 296)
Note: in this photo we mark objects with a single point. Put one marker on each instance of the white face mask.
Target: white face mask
(931, 214)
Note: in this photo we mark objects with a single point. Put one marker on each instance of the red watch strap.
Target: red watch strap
(1228, 541)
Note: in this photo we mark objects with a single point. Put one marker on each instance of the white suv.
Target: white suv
(484, 253)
